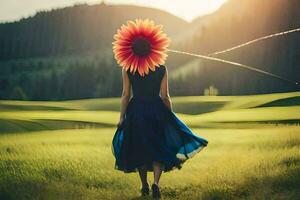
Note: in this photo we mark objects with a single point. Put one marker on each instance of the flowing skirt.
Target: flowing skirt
(151, 132)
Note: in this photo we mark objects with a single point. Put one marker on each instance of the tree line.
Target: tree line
(74, 80)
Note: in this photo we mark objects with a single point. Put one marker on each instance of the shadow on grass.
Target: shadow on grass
(19, 126)
(8, 107)
(290, 101)
(196, 108)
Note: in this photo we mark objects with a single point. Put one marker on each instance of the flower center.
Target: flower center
(141, 46)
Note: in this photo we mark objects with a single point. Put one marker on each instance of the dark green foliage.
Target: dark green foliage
(66, 53)
(18, 94)
(60, 80)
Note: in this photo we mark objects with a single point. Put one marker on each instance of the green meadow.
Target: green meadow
(62, 149)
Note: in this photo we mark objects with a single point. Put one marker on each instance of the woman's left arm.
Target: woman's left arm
(126, 94)
(164, 91)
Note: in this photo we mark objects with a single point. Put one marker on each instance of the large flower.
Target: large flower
(140, 46)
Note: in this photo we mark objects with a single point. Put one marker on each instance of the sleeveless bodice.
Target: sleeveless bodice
(151, 131)
(149, 85)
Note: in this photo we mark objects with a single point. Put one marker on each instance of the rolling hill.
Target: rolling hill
(75, 30)
(197, 111)
(237, 22)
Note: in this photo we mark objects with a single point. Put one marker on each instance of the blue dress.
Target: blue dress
(150, 131)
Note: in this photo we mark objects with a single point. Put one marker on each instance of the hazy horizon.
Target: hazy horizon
(13, 10)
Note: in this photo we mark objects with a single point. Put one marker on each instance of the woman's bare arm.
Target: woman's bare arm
(164, 91)
(126, 93)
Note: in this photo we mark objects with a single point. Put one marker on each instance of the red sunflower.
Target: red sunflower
(140, 46)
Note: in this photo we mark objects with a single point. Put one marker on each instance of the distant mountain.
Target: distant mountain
(75, 30)
(67, 53)
(240, 21)
(234, 23)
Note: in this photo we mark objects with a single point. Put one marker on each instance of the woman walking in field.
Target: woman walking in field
(149, 136)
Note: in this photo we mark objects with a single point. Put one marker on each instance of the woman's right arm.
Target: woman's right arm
(126, 94)
(164, 91)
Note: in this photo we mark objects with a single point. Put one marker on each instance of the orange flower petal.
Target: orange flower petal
(123, 42)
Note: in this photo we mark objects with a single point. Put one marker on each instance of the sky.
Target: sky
(11, 10)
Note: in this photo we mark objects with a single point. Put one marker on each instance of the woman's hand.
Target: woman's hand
(120, 121)
(168, 103)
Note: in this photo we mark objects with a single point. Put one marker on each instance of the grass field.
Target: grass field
(62, 150)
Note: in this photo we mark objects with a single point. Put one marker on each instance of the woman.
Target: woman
(149, 136)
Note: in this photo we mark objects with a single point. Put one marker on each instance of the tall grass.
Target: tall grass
(78, 164)
(62, 150)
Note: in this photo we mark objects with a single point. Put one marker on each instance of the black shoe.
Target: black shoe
(155, 191)
(145, 191)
